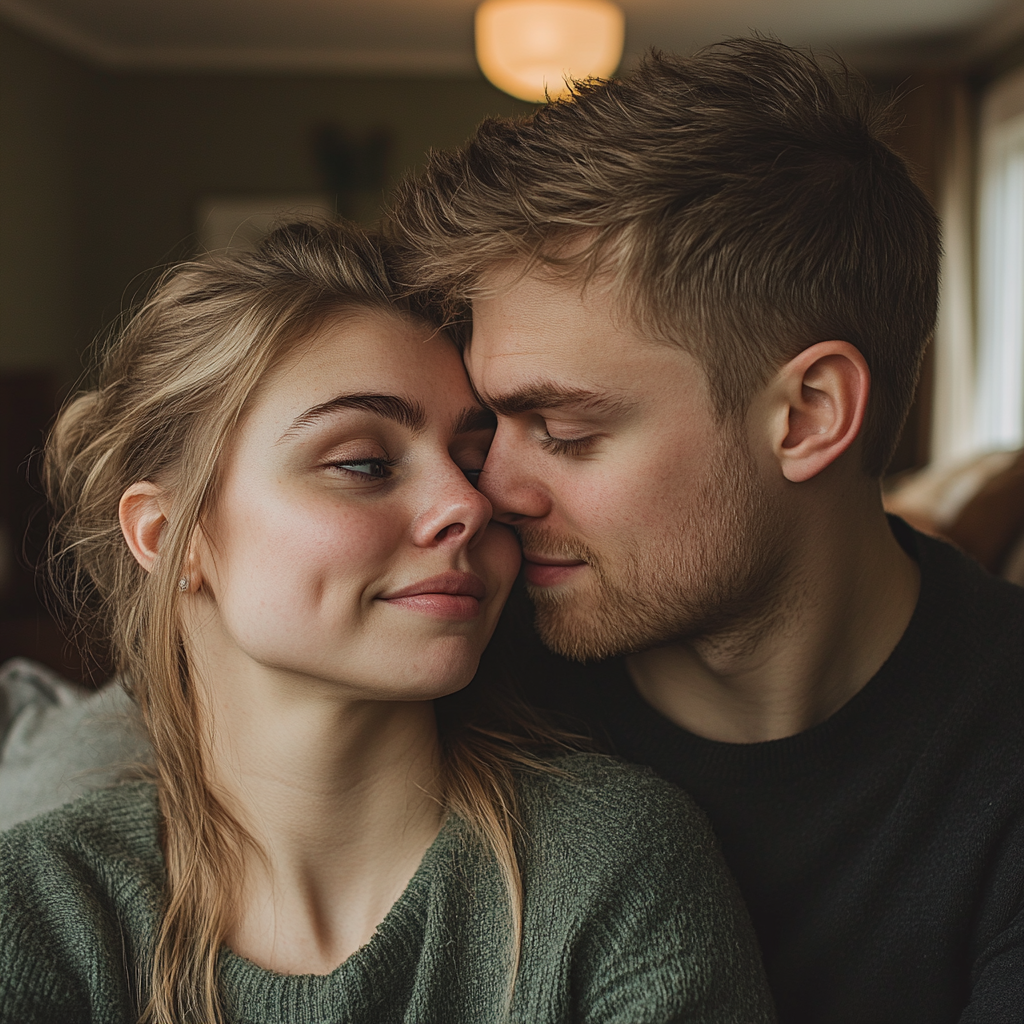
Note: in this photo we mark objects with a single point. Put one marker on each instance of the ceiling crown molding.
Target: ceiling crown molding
(65, 36)
(58, 32)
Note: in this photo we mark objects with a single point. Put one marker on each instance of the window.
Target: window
(999, 388)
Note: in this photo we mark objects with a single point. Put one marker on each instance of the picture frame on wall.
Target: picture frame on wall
(239, 222)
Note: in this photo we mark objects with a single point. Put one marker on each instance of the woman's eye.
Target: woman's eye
(473, 475)
(374, 469)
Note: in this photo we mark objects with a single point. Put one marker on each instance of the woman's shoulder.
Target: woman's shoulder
(79, 895)
(119, 823)
(615, 810)
(622, 867)
(97, 856)
(586, 785)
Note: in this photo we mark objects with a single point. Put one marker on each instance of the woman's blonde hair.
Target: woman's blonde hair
(170, 390)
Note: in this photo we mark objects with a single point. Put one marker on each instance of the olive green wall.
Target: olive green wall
(168, 140)
(100, 173)
(45, 103)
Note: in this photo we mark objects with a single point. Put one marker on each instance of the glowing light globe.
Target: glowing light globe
(529, 47)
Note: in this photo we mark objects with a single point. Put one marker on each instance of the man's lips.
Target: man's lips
(546, 571)
(450, 595)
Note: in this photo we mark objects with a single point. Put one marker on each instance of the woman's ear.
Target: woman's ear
(820, 398)
(142, 520)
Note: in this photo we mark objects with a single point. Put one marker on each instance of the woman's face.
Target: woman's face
(348, 542)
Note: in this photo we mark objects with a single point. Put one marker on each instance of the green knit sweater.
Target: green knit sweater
(629, 917)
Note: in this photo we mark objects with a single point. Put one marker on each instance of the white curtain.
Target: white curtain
(952, 432)
(998, 419)
(978, 401)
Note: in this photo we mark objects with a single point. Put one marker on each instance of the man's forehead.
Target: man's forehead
(516, 295)
(541, 327)
(590, 366)
(536, 365)
(542, 342)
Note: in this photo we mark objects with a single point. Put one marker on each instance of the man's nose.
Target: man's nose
(510, 479)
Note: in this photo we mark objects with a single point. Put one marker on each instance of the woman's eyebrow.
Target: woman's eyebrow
(390, 407)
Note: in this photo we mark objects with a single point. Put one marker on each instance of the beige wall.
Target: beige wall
(100, 172)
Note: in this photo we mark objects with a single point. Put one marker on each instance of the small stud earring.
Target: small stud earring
(183, 584)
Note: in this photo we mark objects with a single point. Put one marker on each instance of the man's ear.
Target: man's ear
(142, 518)
(819, 399)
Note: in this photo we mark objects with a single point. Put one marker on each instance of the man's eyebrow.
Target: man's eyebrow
(553, 396)
(389, 407)
(473, 418)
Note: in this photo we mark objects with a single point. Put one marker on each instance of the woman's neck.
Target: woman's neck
(342, 798)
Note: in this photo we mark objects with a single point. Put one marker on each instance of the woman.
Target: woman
(268, 500)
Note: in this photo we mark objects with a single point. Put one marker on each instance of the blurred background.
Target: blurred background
(137, 132)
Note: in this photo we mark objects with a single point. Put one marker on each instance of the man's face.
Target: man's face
(644, 518)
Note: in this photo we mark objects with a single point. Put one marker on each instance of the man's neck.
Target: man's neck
(851, 597)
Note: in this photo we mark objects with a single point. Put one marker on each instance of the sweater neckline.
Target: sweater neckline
(402, 926)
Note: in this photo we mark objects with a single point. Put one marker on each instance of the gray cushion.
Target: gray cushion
(58, 741)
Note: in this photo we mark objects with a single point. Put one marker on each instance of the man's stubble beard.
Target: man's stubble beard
(713, 580)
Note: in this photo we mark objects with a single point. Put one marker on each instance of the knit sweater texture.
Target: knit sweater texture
(880, 853)
(629, 917)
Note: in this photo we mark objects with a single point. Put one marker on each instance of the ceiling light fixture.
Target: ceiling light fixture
(529, 47)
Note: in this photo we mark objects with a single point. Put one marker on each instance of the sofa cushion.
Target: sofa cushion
(58, 741)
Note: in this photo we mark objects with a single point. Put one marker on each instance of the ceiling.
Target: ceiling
(435, 36)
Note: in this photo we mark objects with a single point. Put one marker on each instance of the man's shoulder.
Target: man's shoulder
(969, 618)
(953, 690)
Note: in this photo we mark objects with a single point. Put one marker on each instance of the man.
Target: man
(700, 297)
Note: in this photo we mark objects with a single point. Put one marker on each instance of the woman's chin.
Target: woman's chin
(425, 673)
(431, 682)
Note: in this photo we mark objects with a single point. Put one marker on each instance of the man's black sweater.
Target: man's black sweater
(881, 853)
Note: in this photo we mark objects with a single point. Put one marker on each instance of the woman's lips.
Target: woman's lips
(542, 571)
(450, 595)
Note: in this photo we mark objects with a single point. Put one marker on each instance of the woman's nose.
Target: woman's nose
(457, 513)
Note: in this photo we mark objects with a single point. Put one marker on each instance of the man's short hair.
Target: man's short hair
(742, 197)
